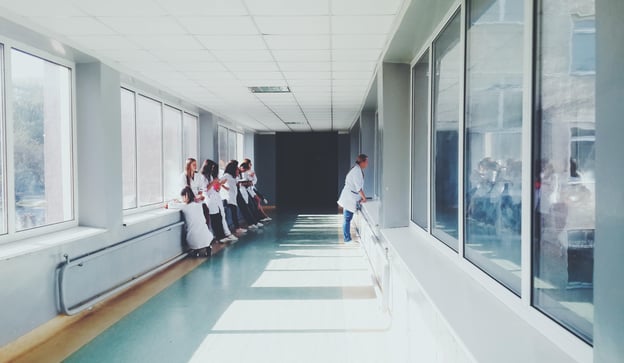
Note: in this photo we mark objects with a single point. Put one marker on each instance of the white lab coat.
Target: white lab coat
(212, 197)
(197, 233)
(195, 183)
(350, 195)
(243, 189)
(229, 195)
(254, 180)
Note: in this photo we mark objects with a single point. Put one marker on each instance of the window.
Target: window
(42, 141)
(172, 151)
(128, 148)
(497, 11)
(493, 144)
(231, 146)
(3, 209)
(564, 185)
(420, 137)
(583, 59)
(240, 142)
(447, 56)
(149, 151)
(190, 137)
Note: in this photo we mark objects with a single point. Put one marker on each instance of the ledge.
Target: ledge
(490, 329)
(137, 218)
(370, 212)
(34, 244)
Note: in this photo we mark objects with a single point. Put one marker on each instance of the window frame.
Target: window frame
(8, 177)
(237, 133)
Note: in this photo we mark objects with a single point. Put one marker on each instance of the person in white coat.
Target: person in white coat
(189, 178)
(211, 185)
(198, 236)
(352, 194)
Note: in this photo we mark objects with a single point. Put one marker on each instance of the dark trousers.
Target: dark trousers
(216, 221)
(244, 208)
(233, 213)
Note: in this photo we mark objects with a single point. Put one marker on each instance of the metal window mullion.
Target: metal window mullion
(527, 153)
(162, 152)
(462, 131)
(9, 169)
(430, 140)
(136, 152)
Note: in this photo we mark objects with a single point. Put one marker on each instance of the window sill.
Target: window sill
(33, 244)
(141, 217)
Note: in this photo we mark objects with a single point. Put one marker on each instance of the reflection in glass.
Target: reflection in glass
(232, 145)
(190, 136)
(42, 136)
(564, 195)
(493, 152)
(128, 148)
(223, 148)
(447, 56)
(172, 151)
(149, 151)
(420, 137)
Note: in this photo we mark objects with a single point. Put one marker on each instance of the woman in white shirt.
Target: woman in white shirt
(198, 236)
(211, 185)
(245, 202)
(189, 179)
(253, 192)
(229, 198)
(353, 193)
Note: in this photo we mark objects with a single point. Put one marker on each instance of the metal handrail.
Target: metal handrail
(73, 310)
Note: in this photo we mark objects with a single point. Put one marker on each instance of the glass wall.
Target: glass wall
(493, 138)
(3, 209)
(149, 151)
(564, 187)
(190, 137)
(128, 148)
(231, 146)
(223, 148)
(447, 58)
(172, 151)
(420, 140)
(42, 141)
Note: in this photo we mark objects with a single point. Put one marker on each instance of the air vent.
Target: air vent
(270, 89)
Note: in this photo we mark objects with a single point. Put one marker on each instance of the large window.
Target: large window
(172, 151)
(155, 138)
(3, 209)
(231, 144)
(493, 140)
(42, 141)
(564, 222)
(420, 137)
(447, 58)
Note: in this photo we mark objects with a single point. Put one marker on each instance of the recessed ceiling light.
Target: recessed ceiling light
(270, 89)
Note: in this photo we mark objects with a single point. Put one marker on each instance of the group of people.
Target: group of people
(211, 203)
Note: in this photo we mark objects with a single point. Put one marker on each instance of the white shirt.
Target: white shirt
(243, 189)
(212, 197)
(350, 195)
(197, 233)
(253, 179)
(195, 183)
(230, 195)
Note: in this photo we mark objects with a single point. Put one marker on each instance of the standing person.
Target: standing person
(253, 192)
(211, 185)
(353, 193)
(189, 179)
(198, 236)
(229, 198)
(244, 200)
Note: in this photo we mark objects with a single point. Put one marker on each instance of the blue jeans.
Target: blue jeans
(346, 226)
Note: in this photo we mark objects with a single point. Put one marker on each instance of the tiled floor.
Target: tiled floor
(291, 293)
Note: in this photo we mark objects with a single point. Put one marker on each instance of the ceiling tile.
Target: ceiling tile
(353, 75)
(128, 55)
(200, 55)
(143, 25)
(305, 67)
(365, 7)
(203, 76)
(243, 55)
(362, 24)
(307, 75)
(354, 66)
(203, 7)
(42, 8)
(223, 25)
(296, 42)
(259, 75)
(172, 42)
(252, 67)
(234, 42)
(319, 55)
(356, 55)
(76, 25)
(281, 25)
(120, 7)
(288, 7)
(359, 41)
(199, 66)
(104, 42)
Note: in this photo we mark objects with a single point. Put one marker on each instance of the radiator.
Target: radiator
(86, 280)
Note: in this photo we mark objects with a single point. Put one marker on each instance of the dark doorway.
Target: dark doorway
(307, 170)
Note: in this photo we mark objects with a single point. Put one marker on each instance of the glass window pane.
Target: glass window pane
(231, 145)
(190, 137)
(172, 151)
(149, 151)
(239, 147)
(564, 222)
(128, 148)
(493, 151)
(42, 135)
(3, 214)
(447, 56)
(223, 148)
(420, 140)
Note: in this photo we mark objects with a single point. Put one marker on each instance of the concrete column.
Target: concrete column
(609, 249)
(98, 130)
(394, 129)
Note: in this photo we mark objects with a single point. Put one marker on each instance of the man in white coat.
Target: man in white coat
(353, 193)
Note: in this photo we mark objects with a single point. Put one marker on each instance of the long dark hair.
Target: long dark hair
(187, 170)
(210, 170)
(188, 192)
(231, 168)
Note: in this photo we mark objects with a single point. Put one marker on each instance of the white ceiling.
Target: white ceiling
(210, 51)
